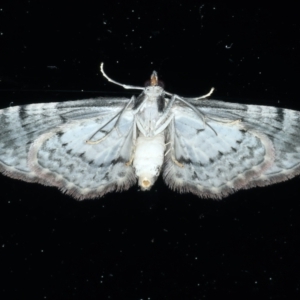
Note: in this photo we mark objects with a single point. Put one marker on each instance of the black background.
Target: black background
(157, 244)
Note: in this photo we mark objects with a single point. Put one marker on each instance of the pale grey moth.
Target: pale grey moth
(90, 147)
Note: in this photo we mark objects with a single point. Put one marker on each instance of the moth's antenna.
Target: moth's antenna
(195, 98)
(125, 86)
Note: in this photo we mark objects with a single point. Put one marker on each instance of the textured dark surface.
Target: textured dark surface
(158, 244)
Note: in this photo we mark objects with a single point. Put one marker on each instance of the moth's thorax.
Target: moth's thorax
(148, 159)
(148, 113)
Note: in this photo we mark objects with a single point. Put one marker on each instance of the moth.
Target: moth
(90, 147)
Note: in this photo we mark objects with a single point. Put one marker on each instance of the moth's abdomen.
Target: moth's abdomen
(148, 159)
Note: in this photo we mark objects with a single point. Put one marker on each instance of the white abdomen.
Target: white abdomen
(148, 159)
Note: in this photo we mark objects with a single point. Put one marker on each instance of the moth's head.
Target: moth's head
(154, 82)
(154, 87)
(154, 79)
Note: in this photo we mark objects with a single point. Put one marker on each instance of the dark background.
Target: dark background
(158, 244)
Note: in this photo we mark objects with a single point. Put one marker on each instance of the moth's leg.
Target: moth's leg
(197, 111)
(161, 127)
(177, 162)
(172, 147)
(134, 136)
(119, 114)
(196, 98)
(166, 117)
(130, 161)
(185, 101)
(125, 86)
(167, 152)
(140, 125)
(100, 129)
